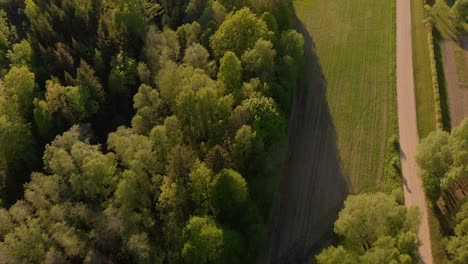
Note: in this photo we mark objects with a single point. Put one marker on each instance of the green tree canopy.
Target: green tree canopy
(385, 234)
(198, 57)
(149, 109)
(20, 86)
(20, 54)
(258, 61)
(265, 117)
(238, 33)
(203, 241)
(200, 180)
(230, 73)
(442, 158)
(457, 245)
(229, 194)
(202, 113)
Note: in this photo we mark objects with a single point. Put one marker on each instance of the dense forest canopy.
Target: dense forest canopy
(130, 130)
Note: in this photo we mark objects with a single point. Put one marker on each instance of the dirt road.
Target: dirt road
(312, 188)
(409, 139)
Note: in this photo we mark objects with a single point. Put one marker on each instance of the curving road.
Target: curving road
(409, 139)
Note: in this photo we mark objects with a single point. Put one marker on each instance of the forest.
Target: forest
(131, 130)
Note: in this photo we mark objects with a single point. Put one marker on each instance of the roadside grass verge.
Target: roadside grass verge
(392, 170)
(355, 43)
(425, 108)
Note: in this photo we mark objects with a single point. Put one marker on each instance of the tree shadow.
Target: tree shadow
(312, 186)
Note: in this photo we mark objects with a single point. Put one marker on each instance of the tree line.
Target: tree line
(443, 159)
(130, 130)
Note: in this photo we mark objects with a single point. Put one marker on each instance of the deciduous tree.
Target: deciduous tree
(238, 33)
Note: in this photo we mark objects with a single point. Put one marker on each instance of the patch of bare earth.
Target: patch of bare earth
(312, 188)
(457, 96)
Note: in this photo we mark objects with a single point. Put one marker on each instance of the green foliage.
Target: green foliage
(195, 9)
(189, 34)
(442, 158)
(238, 33)
(165, 137)
(5, 32)
(243, 146)
(258, 61)
(386, 218)
(435, 82)
(198, 57)
(173, 11)
(70, 103)
(202, 113)
(80, 174)
(149, 110)
(96, 180)
(457, 245)
(459, 15)
(271, 22)
(266, 119)
(218, 158)
(385, 234)
(203, 241)
(232, 4)
(229, 194)
(230, 72)
(161, 47)
(17, 144)
(20, 54)
(173, 79)
(129, 16)
(450, 21)
(290, 64)
(233, 247)
(138, 244)
(336, 255)
(283, 11)
(133, 150)
(7, 35)
(16, 150)
(123, 75)
(200, 179)
(20, 86)
(164, 189)
(86, 78)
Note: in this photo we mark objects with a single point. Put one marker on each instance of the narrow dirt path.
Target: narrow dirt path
(409, 139)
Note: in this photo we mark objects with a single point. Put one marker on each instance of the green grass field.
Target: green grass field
(422, 72)
(355, 42)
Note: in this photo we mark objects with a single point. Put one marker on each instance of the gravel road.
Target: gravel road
(409, 139)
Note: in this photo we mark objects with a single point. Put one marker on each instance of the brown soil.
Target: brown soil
(457, 96)
(312, 188)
